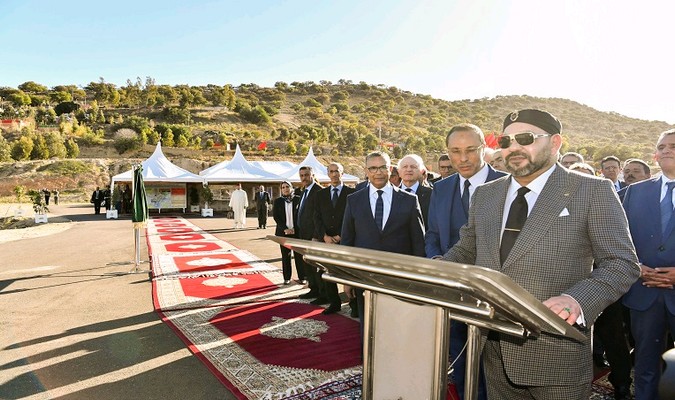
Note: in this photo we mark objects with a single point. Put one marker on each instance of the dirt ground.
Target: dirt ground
(76, 325)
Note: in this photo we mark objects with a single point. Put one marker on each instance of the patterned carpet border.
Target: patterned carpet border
(188, 308)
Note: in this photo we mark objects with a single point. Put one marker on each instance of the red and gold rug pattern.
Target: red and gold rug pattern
(234, 312)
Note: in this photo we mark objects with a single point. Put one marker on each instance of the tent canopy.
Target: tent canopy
(238, 170)
(158, 168)
(320, 171)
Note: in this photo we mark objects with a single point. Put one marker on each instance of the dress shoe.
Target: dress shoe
(332, 309)
(309, 295)
(287, 282)
(622, 392)
(302, 281)
(319, 301)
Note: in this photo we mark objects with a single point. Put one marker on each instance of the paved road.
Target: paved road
(75, 325)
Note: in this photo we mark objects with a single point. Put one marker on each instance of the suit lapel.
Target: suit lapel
(493, 225)
(551, 201)
(454, 190)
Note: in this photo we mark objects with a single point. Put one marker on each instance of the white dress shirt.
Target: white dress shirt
(388, 192)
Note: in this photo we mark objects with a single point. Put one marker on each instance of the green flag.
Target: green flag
(140, 213)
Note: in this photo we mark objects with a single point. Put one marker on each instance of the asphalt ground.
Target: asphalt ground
(74, 324)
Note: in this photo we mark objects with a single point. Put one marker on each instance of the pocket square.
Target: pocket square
(564, 213)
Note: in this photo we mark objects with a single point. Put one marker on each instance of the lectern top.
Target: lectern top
(473, 294)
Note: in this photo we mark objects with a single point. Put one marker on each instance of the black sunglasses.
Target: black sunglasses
(522, 139)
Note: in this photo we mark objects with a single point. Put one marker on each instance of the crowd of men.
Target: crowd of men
(545, 220)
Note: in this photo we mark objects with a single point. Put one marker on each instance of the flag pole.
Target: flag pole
(139, 216)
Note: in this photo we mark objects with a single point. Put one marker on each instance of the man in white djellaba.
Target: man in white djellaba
(239, 203)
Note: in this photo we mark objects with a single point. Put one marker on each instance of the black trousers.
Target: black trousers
(610, 331)
(286, 263)
(262, 217)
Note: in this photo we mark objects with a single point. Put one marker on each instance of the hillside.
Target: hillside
(106, 127)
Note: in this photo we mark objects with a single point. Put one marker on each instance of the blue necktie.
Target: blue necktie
(379, 209)
(334, 199)
(465, 196)
(667, 207)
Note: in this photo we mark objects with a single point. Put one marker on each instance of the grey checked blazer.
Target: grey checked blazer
(554, 255)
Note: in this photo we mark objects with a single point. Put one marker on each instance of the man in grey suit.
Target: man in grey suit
(543, 226)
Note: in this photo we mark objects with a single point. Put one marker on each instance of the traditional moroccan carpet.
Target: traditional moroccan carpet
(235, 314)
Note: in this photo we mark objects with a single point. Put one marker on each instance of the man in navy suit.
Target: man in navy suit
(382, 217)
(305, 229)
(649, 208)
(330, 209)
(448, 211)
(411, 169)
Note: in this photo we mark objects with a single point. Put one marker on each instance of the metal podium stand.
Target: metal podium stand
(428, 293)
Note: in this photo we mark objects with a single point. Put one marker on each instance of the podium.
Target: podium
(426, 293)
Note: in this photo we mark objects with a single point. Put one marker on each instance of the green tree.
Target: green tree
(104, 93)
(72, 149)
(22, 148)
(32, 87)
(55, 145)
(40, 150)
(19, 99)
(60, 97)
(291, 148)
(5, 150)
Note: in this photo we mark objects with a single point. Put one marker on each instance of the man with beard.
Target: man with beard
(634, 170)
(543, 226)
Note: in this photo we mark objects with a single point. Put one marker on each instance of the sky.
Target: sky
(610, 55)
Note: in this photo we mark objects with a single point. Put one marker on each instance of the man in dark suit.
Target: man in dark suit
(412, 169)
(543, 227)
(610, 167)
(96, 200)
(382, 217)
(330, 209)
(649, 208)
(448, 212)
(262, 199)
(305, 229)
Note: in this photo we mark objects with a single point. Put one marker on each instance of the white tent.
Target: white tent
(158, 168)
(238, 170)
(275, 167)
(320, 171)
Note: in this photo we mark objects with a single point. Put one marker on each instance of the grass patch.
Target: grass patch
(66, 168)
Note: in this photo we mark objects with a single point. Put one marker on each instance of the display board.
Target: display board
(166, 195)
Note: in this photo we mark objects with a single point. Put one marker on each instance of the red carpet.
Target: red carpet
(293, 335)
(235, 314)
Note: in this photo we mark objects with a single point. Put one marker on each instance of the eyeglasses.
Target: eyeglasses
(523, 139)
(468, 151)
(381, 168)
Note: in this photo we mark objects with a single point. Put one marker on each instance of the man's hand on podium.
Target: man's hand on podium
(566, 307)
